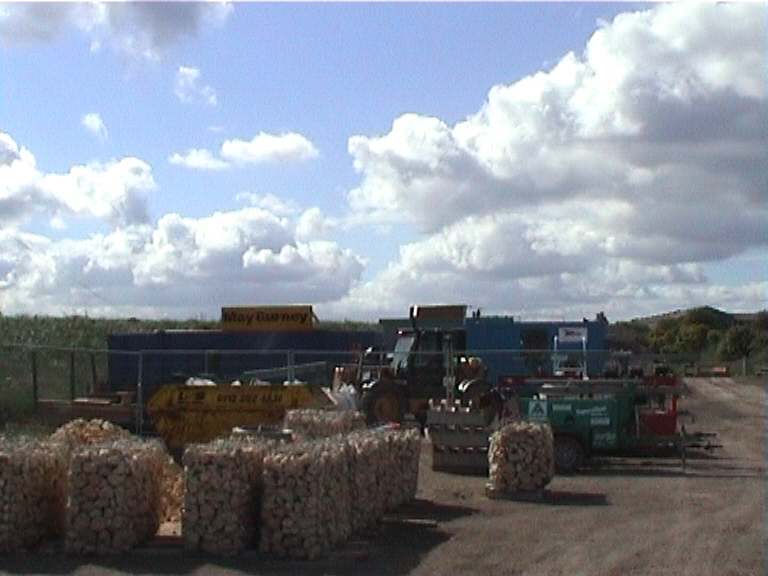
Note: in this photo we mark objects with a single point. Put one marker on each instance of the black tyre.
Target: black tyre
(383, 404)
(569, 455)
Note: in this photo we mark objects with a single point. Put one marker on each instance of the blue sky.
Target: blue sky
(541, 160)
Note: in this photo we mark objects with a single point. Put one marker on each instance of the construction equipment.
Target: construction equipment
(426, 364)
(459, 437)
(444, 352)
(611, 417)
(605, 416)
(195, 410)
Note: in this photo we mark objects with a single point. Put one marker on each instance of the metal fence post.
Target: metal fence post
(72, 393)
(35, 389)
(291, 371)
(140, 398)
(95, 388)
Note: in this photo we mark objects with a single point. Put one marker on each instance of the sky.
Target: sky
(540, 160)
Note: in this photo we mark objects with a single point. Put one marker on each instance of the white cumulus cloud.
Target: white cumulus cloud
(289, 147)
(95, 125)
(199, 159)
(607, 181)
(270, 202)
(313, 224)
(114, 192)
(264, 148)
(177, 267)
(188, 89)
(611, 181)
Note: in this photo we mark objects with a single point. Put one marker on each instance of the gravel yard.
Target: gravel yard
(643, 516)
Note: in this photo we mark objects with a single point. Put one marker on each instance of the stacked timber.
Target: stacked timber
(397, 468)
(404, 452)
(310, 423)
(114, 496)
(82, 432)
(521, 457)
(32, 492)
(295, 509)
(363, 480)
(222, 491)
(336, 520)
(171, 490)
(317, 493)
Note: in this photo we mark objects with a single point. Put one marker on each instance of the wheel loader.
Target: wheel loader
(424, 366)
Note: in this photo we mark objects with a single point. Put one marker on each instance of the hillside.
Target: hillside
(711, 335)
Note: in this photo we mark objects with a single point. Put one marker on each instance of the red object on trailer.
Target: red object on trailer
(659, 423)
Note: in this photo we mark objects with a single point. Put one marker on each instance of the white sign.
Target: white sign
(593, 411)
(537, 410)
(604, 439)
(575, 334)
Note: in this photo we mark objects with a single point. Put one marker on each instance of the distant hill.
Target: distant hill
(725, 318)
(704, 330)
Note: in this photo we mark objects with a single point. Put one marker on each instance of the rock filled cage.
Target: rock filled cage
(99, 490)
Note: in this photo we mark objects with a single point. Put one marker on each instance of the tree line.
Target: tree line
(711, 334)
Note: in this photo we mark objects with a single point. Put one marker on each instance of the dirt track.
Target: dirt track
(621, 516)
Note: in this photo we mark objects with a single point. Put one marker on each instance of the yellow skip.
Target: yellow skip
(187, 414)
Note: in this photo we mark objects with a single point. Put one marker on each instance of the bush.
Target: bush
(739, 341)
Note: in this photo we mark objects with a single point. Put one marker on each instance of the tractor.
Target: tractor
(425, 364)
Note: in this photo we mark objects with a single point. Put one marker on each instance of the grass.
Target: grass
(69, 356)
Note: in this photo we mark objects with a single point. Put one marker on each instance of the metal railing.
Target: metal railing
(32, 373)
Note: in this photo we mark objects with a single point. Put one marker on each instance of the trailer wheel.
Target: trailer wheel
(569, 454)
(382, 404)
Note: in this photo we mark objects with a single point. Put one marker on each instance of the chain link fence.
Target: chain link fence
(30, 374)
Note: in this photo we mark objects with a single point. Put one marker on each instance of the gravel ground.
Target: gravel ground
(636, 516)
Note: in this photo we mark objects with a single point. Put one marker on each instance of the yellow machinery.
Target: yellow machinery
(186, 414)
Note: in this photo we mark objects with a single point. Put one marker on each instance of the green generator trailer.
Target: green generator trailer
(609, 417)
